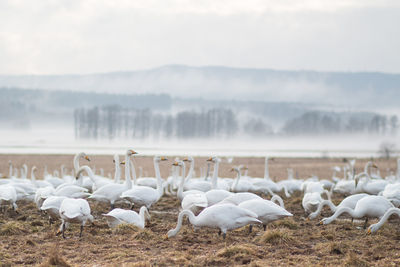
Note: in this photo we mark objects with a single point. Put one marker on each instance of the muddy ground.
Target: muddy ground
(28, 239)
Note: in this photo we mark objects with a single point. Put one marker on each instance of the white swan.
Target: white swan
(292, 185)
(110, 193)
(217, 183)
(194, 202)
(74, 211)
(145, 195)
(38, 183)
(8, 195)
(366, 185)
(266, 210)
(392, 192)
(119, 216)
(150, 181)
(375, 227)
(241, 185)
(240, 197)
(311, 201)
(224, 217)
(43, 193)
(52, 206)
(349, 202)
(367, 207)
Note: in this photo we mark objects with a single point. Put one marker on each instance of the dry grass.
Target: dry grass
(27, 238)
(275, 237)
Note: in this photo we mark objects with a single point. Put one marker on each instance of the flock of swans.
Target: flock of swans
(207, 201)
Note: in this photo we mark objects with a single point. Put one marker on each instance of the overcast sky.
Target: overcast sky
(76, 36)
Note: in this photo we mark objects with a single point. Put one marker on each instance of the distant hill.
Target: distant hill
(350, 89)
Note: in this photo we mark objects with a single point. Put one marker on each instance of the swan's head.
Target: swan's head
(178, 163)
(213, 159)
(130, 152)
(372, 229)
(188, 159)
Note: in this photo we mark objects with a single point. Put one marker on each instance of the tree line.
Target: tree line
(115, 121)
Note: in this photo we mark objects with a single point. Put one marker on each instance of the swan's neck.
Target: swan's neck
(366, 168)
(10, 170)
(208, 170)
(182, 184)
(90, 173)
(341, 210)
(128, 182)
(33, 178)
(117, 173)
(215, 175)
(266, 171)
(320, 206)
(133, 171)
(158, 176)
(142, 212)
(190, 173)
(278, 200)
(76, 162)
(62, 171)
(236, 181)
(192, 219)
(385, 217)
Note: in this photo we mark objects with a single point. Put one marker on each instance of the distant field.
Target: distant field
(27, 238)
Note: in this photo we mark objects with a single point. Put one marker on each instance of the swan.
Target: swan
(52, 206)
(43, 193)
(197, 184)
(181, 194)
(224, 217)
(194, 202)
(311, 201)
(392, 192)
(8, 195)
(369, 186)
(74, 211)
(241, 185)
(349, 202)
(292, 185)
(215, 196)
(367, 207)
(240, 197)
(218, 183)
(375, 227)
(119, 216)
(38, 183)
(150, 181)
(345, 186)
(145, 195)
(266, 210)
(111, 192)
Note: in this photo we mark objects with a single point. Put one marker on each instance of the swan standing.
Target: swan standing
(74, 211)
(110, 193)
(145, 195)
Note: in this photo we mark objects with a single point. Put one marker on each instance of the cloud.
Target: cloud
(55, 37)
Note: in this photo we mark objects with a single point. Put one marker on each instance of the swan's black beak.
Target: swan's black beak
(163, 159)
(87, 158)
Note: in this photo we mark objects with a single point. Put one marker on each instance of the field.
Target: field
(27, 238)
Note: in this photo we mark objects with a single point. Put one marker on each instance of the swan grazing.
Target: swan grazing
(311, 201)
(110, 193)
(375, 227)
(74, 211)
(119, 216)
(367, 207)
(145, 195)
(222, 216)
(52, 206)
(266, 210)
(349, 202)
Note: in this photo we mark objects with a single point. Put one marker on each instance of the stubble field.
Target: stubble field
(26, 238)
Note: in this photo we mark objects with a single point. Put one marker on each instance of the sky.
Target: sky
(92, 36)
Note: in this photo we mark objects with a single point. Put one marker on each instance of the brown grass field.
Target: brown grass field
(28, 239)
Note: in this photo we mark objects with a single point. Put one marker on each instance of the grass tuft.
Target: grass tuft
(55, 259)
(287, 223)
(234, 250)
(353, 260)
(12, 228)
(275, 237)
